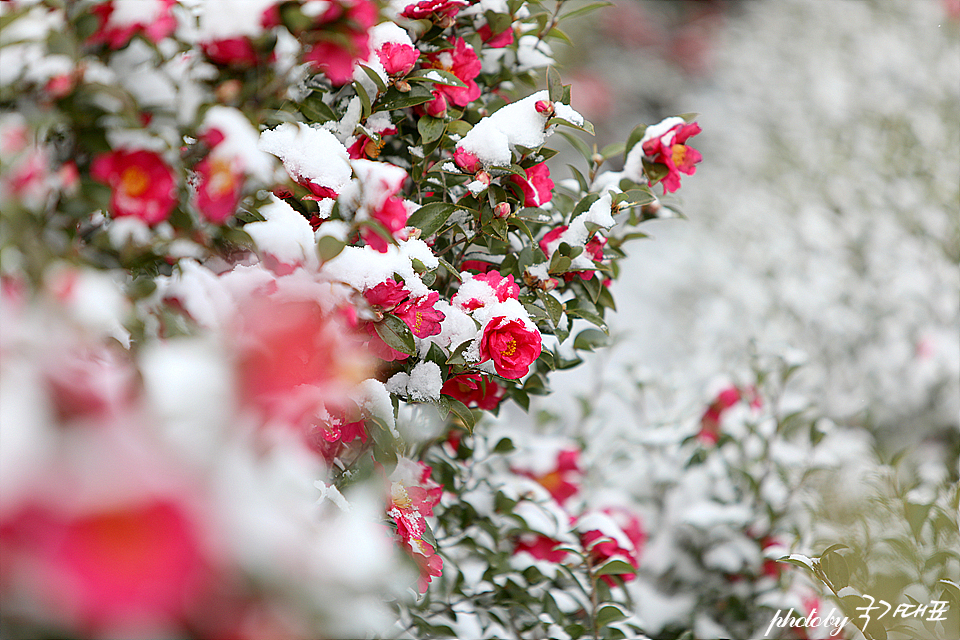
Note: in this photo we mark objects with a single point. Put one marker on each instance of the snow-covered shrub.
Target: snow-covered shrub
(261, 260)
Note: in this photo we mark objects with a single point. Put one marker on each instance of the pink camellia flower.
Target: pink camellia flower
(111, 566)
(393, 215)
(467, 161)
(474, 390)
(344, 38)
(366, 147)
(143, 185)
(710, 422)
(461, 61)
(495, 40)
(413, 495)
(613, 532)
(424, 9)
(504, 287)
(120, 20)
(386, 295)
(669, 148)
(593, 249)
(397, 58)
(485, 288)
(563, 481)
(219, 188)
(336, 60)
(231, 52)
(511, 344)
(537, 188)
(540, 547)
(333, 432)
(420, 315)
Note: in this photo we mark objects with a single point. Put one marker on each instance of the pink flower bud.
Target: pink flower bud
(467, 161)
(544, 107)
(502, 210)
(484, 178)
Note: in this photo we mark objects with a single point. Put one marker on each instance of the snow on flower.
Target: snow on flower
(429, 9)
(143, 185)
(484, 289)
(313, 157)
(226, 34)
(475, 390)
(413, 495)
(120, 20)
(612, 533)
(512, 344)
(460, 60)
(493, 139)
(665, 143)
(537, 187)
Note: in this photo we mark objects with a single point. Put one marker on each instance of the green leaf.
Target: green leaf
(614, 567)
(430, 217)
(554, 85)
(586, 127)
(505, 445)
(450, 269)
(430, 128)
(375, 78)
(459, 128)
(635, 136)
(590, 317)
(364, 100)
(579, 145)
(329, 248)
(394, 99)
(581, 11)
(916, 515)
(835, 568)
(655, 171)
(590, 339)
(316, 110)
(799, 560)
(396, 334)
(462, 412)
(436, 76)
(553, 306)
(608, 613)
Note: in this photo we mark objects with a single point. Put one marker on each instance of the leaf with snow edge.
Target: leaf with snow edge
(614, 567)
(635, 136)
(393, 99)
(430, 217)
(504, 445)
(635, 197)
(445, 78)
(553, 306)
(586, 127)
(396, 334)
(375, 78)
(462, 412)
(365, 105)
(458, 128)
(834, 567)
(799, 560)
(590, 317)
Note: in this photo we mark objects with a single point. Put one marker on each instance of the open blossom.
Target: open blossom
(344, 38)
(710, 421)
(219, 188)
(413, 495)
(427, 8)
(420, 315)
(612, 533)
(474, 390)
(143, 184)
(393, 215)
(461, 61)
(397, 58)
(537, 187)
(120, 20)
(511, 344)
(540, 547)
(485, 288)
(669, 148)
(563, 481)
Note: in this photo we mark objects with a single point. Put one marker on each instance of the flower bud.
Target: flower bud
(544, 108)
(402, 86)
(467, 161)
(484, 178)
(502, 210)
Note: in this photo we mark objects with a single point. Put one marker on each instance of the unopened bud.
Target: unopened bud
(544, 107)
(484, 178)
(652, 209)
(597, 159)
(228, 92)
(502, 210)
(402, 86)
(445, 21)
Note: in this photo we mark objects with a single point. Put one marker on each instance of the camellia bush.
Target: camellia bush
(265, 267)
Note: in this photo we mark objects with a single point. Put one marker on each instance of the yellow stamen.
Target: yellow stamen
(221, 178)
(679, 154)
(134, 181)
(511, 348)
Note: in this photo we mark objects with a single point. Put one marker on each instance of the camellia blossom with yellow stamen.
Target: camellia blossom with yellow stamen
(143, 184)
(668, 147)
(512, 346)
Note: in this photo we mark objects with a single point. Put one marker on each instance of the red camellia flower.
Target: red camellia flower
(505, 287)
(426, 8)
(710, 422)
(624, 538)
(107, 567)
(393, 216)
(420, 315)
(461, 61)
(143, 185)
(397, 58)
(120, 20)
(540, 547)
(495, 40)
(413, 495)
(537, 188)
(512, 346)
(231, 52)
(593, 249)
(347, 23)
(219, 188)
(670, 149)
(474, 390)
